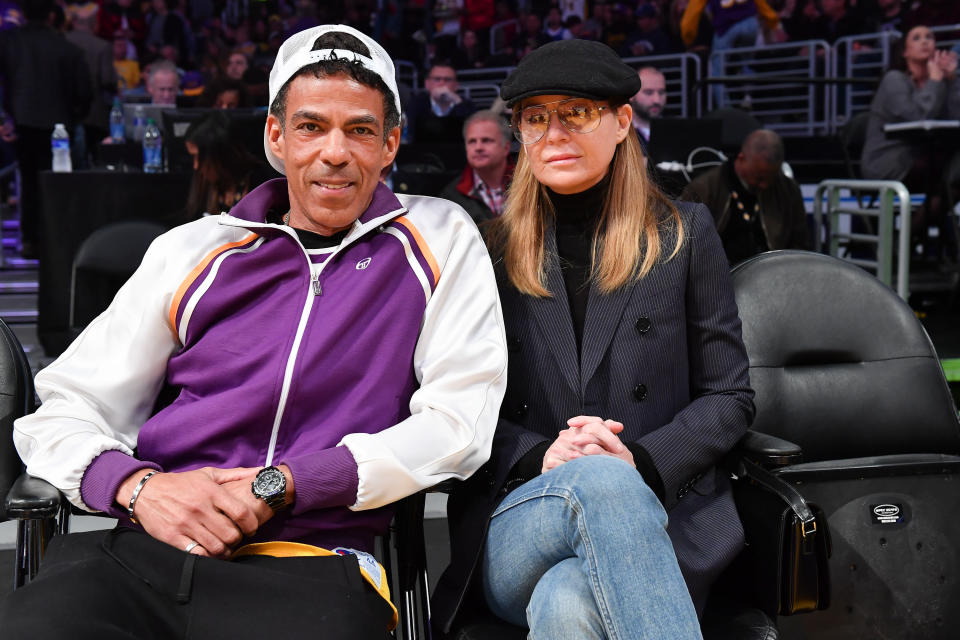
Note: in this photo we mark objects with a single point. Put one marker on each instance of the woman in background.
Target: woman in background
(922, 85)
(223, 169)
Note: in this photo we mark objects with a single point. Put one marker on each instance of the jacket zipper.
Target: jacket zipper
(313, 291)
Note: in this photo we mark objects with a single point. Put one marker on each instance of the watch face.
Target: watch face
(269, 482)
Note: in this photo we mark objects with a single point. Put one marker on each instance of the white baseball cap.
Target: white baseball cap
(297, 52)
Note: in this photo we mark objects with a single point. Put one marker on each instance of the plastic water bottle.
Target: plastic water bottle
(152, 148)
(139, 124)
(60, 146)
(116, 121)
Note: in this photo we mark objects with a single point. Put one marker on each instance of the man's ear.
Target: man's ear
(275, 135)
(624, 115)
(391, 146)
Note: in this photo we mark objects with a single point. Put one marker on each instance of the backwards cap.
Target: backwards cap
(297, 52)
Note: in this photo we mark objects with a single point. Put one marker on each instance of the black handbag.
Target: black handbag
(788, 544)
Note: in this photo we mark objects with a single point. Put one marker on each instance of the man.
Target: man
(437, 115)
(314, 340)
(98, 54)
(481, 189)
(163, 83)
(648, 103)
(45, 82)
(757, 208)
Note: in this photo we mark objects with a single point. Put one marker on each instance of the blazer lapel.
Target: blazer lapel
(553, 316)
(603, 316)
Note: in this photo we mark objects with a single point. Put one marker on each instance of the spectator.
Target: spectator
(165, 27)
(648, 103)
(836, 21)
(124, 17)
(437, 115)
(755, 206)
(933, 13)
(553, 26)
(604, 282)
(648, 39)
(312, 392)
(471, 54)
(922, 85)
(126, 68)
(704, 30)
(531, 37)
(481, 189)
(163, 83)
(98, 54)
(45, 82)
(224, 93)
(239, 68)
(734, 25)
(890, 15)
(11, 17)
(223, 170)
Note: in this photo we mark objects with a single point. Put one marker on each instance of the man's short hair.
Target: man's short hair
(489, 116)
(766, 144)
(162, 65)
(326, 68)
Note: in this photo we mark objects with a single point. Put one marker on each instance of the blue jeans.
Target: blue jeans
(582, 552)
(742, 34)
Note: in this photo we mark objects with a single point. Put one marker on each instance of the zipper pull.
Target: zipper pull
(315, 282)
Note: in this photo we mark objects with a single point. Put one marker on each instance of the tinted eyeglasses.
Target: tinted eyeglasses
(579, 115)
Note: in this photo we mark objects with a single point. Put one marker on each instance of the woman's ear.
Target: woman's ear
(624, 121)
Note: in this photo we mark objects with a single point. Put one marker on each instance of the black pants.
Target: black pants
(125, 584)
(33, 156)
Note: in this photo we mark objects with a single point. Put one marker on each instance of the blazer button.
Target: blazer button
(513, 343)
(640, 392)
(644, 324)
(521, 411)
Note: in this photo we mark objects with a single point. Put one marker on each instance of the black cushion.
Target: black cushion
(840, 364)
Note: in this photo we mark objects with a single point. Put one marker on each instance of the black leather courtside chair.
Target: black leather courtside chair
(842, 367)
(104, 261)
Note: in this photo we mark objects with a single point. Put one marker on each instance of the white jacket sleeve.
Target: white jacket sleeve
(96, 396)
(461, 365)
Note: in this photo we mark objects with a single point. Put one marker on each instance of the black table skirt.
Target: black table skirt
(74, 205)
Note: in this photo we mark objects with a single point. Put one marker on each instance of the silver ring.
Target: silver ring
(190, 546)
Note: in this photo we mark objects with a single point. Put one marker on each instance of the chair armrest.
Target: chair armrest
(32, 498)
(767, 450)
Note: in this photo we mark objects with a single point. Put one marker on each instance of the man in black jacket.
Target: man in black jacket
(756, 207)
(46, 82)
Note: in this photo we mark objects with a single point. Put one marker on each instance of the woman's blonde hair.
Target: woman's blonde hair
(627, 242)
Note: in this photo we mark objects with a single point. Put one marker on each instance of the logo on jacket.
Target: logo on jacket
(363, 264)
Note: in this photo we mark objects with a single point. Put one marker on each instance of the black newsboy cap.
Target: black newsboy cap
(582, 68)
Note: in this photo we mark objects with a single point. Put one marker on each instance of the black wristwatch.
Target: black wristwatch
(270, 485)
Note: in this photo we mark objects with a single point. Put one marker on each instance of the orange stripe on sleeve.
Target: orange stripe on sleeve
(195, 273)
(424, 249)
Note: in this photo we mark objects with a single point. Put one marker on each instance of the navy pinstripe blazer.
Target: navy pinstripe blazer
(664, 357)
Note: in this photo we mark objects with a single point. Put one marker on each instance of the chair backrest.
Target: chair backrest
(736, 125)
(840, 364)
(16, 400)
(110, 255)
(852, 136)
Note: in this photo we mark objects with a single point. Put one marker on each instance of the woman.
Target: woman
(922, 85)
(627, 381)
(223, 170)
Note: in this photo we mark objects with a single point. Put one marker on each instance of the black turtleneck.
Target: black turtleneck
(576, 221)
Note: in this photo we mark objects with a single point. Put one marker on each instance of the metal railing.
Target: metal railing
(866, 56)
(480, 94)
(681, 73)
(783, 98)
(883, 193)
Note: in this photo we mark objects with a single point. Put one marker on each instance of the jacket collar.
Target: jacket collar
(465, 186)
